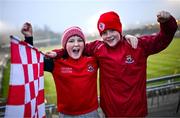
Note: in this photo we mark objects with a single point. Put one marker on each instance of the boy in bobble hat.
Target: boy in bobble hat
(122, 68)
(75, 75)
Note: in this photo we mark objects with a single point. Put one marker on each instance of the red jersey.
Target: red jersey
(123, 71)
(76, 85)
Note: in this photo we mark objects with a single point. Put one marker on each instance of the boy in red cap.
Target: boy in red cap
(122, 68)
(75, 75)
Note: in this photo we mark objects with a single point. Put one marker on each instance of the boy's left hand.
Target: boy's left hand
(132, 40)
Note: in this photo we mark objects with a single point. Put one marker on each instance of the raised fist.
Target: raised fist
(163, 16)
(27, 30)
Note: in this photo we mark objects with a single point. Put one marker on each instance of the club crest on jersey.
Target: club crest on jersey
(90, 68)
(129, 59)
(101, 26)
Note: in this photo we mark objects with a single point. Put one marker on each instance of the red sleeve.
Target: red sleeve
(60, 53)
(92, 47)
(156, 43)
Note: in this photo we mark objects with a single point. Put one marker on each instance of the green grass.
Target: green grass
(164, 63)
(49, 86)
(5, 82)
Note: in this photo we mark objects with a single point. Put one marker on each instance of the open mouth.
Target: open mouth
(75, 50)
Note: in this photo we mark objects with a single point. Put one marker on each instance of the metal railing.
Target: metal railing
(158, 88)
(167, 82)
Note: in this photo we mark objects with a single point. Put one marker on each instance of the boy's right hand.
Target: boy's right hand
(27, 30)
(51, 54)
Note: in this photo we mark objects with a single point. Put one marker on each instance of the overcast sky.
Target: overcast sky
(60, 14)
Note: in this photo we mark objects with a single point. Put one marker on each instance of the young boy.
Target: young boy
(122, 68)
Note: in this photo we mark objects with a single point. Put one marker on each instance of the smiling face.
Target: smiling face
(111, 37)
(75, 47)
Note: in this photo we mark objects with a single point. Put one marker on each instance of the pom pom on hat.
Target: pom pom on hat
(72, 31)
(109, 20)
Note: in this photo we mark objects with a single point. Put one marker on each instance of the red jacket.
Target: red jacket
(76, 85)
(123, 71)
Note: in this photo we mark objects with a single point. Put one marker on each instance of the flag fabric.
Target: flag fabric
(26, 86)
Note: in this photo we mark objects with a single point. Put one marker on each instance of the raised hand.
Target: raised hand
(163, 16)
(27, 30)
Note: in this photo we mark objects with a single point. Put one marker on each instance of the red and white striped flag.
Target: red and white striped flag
(26, 87)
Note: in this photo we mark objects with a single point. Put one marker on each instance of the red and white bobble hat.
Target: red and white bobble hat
(72, 31)
(109, 20)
